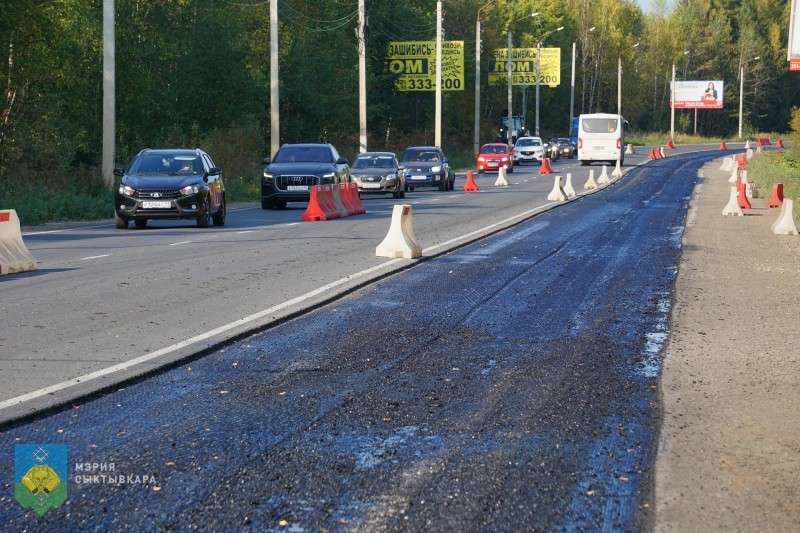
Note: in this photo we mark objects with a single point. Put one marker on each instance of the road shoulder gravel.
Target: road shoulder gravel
(729, 450)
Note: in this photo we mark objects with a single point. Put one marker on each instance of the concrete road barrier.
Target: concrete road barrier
(14, 255)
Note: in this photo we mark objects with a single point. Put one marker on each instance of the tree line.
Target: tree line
(196, 72)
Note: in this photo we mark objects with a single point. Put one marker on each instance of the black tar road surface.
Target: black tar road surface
(510, 385)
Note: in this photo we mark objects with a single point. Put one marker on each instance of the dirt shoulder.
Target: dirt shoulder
(729, 451)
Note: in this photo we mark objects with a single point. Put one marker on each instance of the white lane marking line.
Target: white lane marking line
(245, 231)
(194, 340)
(95, 257)
(66, 229)
(179, 243)
(293, 224)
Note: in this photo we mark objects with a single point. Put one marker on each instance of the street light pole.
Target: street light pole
(509, 133)
(619, 82)
(672, 102)
(741, 91)
(438, 120)
(274, 98)
(477, 140)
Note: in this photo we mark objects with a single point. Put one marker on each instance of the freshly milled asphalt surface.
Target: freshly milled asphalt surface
(509, 385)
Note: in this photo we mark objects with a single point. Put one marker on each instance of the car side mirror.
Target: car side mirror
(341, 161)
(266, 160)
(119, 172)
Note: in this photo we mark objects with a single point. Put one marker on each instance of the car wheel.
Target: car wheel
(452, 182)
(398, 193)
(204, 218)
(219, 216)
(120, 222)
(510, 169)
(584, 163)
(480, 171)
(140, 222)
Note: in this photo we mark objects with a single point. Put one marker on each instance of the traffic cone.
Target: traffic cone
(741, 162)
(470, 185)
(652, 154)
(670, 145)
(545, 168)
(657, 153)
(722, 146)
(779, 143)
(776, 200)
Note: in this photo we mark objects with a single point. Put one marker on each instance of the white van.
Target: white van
(601, 137)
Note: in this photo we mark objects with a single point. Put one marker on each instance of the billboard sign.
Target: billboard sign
(523, 67)
(793, 49)
(414, 62)
(707, 94)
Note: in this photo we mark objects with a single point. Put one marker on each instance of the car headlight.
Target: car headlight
(190, 189)
(391, 176)
(329, 176)
(436, 169)
(268, 176)
(125, 190)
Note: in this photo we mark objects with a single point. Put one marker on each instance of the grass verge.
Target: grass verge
(777, 166)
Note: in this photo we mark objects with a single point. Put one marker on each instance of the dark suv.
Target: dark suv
(170, 184)
(295, 168)
(426, 166)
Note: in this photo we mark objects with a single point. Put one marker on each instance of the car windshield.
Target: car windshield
(494, 149)
(303, 154)
(430, 156)
(529, 142)
(166, 164)
(373, 161)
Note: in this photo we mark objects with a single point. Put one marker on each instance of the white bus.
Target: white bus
(601, 137)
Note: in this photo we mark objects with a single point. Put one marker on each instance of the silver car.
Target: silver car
(528, 149)
(379, 173)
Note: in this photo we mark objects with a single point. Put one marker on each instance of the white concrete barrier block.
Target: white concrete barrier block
(726, 164)
(747, 145)
(629, 149)
(501, 178)
(780, 216)
(785, 224)
(617, 170)
(557, 194)
(732, 208)
(590, 183)
(400, 241)
(569, 190)
(603, 179)
(734, 173)
(14, 255)
(749, 153)
(662, 152)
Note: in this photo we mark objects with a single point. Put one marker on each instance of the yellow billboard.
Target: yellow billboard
(414, 62)
(523, 67)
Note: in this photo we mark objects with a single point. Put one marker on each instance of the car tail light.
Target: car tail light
(580, 142)
(619, 143)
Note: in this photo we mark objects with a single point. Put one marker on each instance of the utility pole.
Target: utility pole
(274, 96)
(672, 106)
(109, 94)
(572, 93)
(361, 34)
(438, 125)
(510, 126)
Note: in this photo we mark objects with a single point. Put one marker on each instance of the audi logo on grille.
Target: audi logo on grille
(156, 195)
(297, 178)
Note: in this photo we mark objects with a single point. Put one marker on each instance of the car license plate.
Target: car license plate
(297, 188)
(156, 205)
(370, 185)
(418, 177)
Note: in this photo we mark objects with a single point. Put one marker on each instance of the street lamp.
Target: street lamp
(741, 90)
(509, 130)
(619, 82)
(672, 102)
(538, 69)
(477, 143)
(572, 88)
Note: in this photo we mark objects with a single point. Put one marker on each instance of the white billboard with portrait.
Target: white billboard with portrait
(706, 94)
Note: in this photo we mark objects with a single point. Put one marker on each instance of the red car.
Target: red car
(494, 155)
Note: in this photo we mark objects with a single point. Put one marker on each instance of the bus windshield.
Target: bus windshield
(600, 125)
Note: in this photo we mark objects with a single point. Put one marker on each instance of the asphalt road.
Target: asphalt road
(103, 297)
(508, 385)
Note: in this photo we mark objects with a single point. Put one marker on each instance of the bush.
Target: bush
(777, 166)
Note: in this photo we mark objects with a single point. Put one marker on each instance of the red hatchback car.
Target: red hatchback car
(494, 155)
